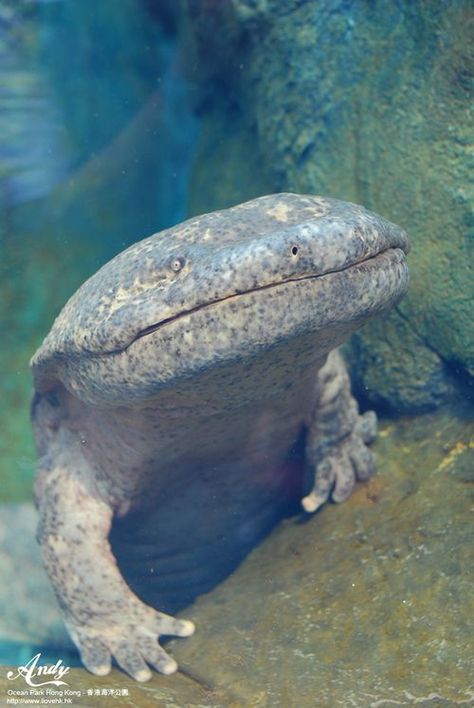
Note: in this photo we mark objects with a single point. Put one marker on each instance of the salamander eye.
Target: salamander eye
(177, 264)
(294, 251)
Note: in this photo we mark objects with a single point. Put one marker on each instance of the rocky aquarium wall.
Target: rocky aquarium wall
(369, 102)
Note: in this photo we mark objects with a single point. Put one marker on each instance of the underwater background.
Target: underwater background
(118, 119)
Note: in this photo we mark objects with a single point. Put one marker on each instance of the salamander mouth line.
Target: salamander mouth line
(158, 325)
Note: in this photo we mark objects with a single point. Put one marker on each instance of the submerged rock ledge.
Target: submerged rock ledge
(369, 602)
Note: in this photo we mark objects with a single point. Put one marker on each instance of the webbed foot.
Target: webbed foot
(131, 638)
(338, 437)
(346, 462)
(104, 617)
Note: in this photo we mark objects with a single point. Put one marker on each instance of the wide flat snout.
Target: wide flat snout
(211, 258)
(311, 248)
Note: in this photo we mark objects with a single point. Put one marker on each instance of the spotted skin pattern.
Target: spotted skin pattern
(170, 395)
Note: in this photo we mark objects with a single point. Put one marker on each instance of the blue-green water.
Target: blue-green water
(96, 143)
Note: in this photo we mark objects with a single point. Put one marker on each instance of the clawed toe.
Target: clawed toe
(129, 658)
(343, 464)
(345, 479)
(165, 624)
(366, 427)
(98, 666)
(362, 460)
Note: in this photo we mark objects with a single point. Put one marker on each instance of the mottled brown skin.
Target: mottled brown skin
(173, 394)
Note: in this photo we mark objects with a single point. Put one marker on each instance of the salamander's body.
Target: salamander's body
(178, 395)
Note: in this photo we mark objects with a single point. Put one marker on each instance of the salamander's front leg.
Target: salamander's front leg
(104, 618)
(338, 437)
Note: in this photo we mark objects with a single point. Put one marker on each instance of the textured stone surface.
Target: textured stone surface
(89, 691)
(368, 603)
(366, 103)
